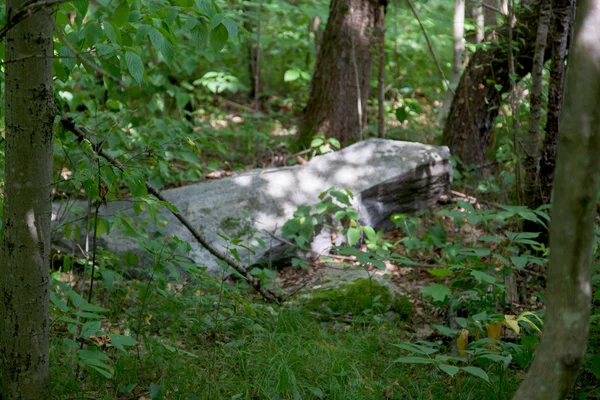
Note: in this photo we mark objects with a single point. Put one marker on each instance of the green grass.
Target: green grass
(258, 352)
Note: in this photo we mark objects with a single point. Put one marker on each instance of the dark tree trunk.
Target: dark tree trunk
(341, 84)
(562, 13)
(484, 81)
(532, 138)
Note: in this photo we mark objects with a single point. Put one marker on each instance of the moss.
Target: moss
(355, 298)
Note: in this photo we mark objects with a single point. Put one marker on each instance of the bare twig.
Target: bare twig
(488, 6)
(267, 294)
(81, 58)
(414, 11)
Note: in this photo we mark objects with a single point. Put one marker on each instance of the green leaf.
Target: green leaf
(206, 7)
(82, 7)
(353, 236)
(290, 76)
(441, 272)
(135, 66)
(120, 341)
(519, 261)
(478, 372)
(90, 328)
(200, 33)
(160, 43)
(334, 142)
(444, 330)
(449, 369)
(401, 114)
(218, 38)
(113, 33)
(414, 360)
(317, 141)
(438, 292)
(67, 57)
(316, 391)
(121, 13)
(483, 277)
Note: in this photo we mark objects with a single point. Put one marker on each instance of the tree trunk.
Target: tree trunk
(381, 73)
(566, 323)
(458, 33)
(341, 84)
(476, 100)
(562, 12)
(530, 144)
(25, 248)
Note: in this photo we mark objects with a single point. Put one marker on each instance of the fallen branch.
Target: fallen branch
(267, 294)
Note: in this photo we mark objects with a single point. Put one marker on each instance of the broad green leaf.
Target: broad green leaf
(438, 292)
(67, 57)
(82, 7)
(483, 277)
(290, 76)
(441, 272)
(113, 32)
(444, 330)
(353, 236)
(121, 13)
(478, 372)
(401, 114)
(206, 7)
(414, 360)
(135, 66)
(120, 341)
(90, 328)
(160, 43)
(449, 369)
(218, 38)
(200, 33)
(519, 261)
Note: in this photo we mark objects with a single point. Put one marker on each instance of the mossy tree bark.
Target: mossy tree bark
(566, 323)
(485, 80)
(337, 106)
(25, 248)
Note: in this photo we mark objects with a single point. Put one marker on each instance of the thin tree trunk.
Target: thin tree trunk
(257, 69)
(381, 73)
(532, 138)
(25, 248)
(458, 33)
(341, 82)
(562, 12)
(476, 100)
(566, 324)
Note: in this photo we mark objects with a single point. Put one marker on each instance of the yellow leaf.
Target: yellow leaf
(190, 141)
(511, 322)
(462, 341)
(526, 320)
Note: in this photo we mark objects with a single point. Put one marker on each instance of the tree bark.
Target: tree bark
(380, 30)
(341, 82)
(484, 81)
(25, 248)
(566, 323)
(458, 33)
(530, 144)
(562, 12)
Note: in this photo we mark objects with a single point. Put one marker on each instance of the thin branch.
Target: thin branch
(439, 67)
(27, 10)
(267, 294)
(488, 6)
(81, 58)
